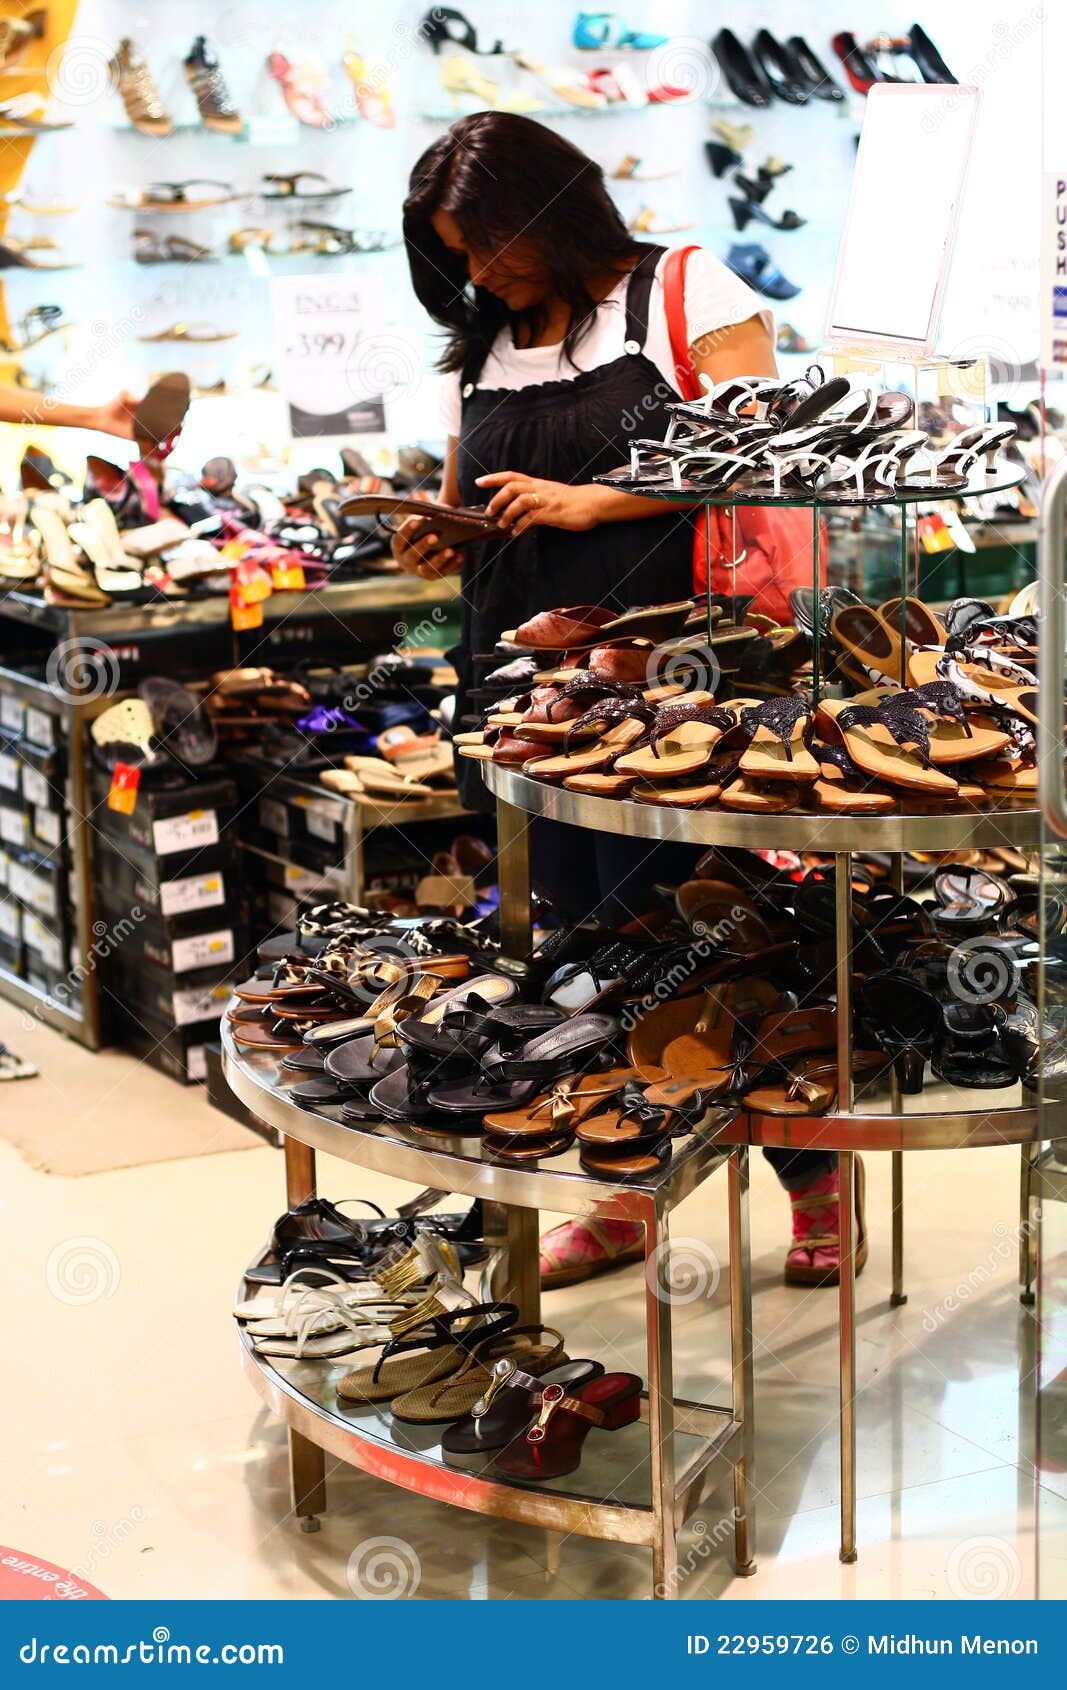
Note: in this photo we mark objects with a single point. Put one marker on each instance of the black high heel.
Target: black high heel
(818, 78)
(754, 190)
(744, 211)
(721, 158)
(779, 69)
(744, 75)
(932, 66)
(902, 1018)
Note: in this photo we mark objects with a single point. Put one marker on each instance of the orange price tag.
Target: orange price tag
(287, 577)
(124, 783)
(242, 615)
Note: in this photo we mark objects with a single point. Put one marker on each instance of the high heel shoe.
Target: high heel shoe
(902, 1018)
(818, 78)
(721, 158)
(553, 1445)
(860, 68)
(932, 66)
(779, 69)
(744, 211)
(745, 76)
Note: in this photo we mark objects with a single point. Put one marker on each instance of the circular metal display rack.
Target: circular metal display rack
(905, 1125)
(642, 1484)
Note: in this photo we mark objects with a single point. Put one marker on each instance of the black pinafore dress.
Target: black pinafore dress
(570, 431)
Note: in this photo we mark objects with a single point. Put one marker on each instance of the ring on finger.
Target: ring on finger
(534, 498)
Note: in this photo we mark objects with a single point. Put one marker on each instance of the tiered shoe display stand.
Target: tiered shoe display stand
(90, 643)
(905, 1125)
(638, 1486)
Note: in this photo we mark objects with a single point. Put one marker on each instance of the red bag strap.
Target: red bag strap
(674, 268)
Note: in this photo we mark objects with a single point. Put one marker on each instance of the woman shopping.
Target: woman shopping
(557, 353)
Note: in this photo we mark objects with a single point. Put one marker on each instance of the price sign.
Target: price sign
(124, 783)
(336, 363)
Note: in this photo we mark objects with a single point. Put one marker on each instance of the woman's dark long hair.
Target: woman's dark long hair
(503, 178)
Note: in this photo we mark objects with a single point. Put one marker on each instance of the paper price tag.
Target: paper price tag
(287, 577)
(34, 786)
(244, 616)
(40, 727)
(124, 783)
(193, 892)
(9, 771)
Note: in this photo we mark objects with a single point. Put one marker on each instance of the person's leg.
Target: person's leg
(627, 870)
(563, 867)
(810, 1177)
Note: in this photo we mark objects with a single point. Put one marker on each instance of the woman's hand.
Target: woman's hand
(412, 544)
(116, 416)
(522, 502)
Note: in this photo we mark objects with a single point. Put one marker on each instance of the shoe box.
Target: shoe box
(164, 820)
(167, 889)
(180, 1052)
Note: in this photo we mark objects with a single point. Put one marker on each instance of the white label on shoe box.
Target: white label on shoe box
(12, 714)
(203, 950)
(9, 919)
(41, 895)
(274, 816)
(199, 1005)
(5, 868)
(38, 938)
(35, 789)
(40, 726)
(321, 826)
(47, 825)
(9, 771)
(196, 1062)
(192, 892)
(184, 833)
(306, 882)
(13, 828)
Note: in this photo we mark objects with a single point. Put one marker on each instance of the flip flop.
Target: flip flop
(880, 742)
(681, 742)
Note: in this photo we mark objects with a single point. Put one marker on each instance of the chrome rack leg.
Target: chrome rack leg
(845, 1180)
(1027, 1237)
(352, 833)
(660, 1404)
(516, 1275)
(741, 1358)
(307, 1462)
(513, 861)
(898, 1296)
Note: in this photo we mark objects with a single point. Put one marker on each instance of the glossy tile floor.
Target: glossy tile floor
(136, 1452)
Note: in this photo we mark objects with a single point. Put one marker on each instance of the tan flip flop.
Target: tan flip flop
(681, 742)
(879, 743)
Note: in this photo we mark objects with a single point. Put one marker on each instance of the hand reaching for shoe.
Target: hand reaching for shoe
(524, 501)
(413, 548)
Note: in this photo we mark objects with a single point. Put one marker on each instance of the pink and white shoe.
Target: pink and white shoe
(815, 1258)
(578, 1250)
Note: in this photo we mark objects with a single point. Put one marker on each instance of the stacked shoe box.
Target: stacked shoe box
(37, 891)
(295, 847)
(167, 903)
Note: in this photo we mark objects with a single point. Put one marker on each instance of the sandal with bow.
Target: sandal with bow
(552, 1446)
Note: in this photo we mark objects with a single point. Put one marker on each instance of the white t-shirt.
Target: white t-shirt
(714, 299)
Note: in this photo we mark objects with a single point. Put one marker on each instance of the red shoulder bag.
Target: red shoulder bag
(774, 544)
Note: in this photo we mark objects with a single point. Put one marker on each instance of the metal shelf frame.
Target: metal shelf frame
(692, 1446)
